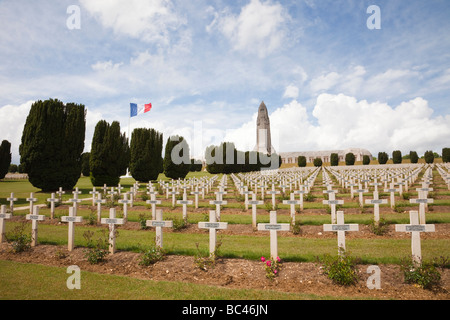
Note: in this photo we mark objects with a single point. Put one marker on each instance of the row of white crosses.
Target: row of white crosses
(444, 171)
(404, 176)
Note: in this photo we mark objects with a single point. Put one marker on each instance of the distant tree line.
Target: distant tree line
(225, 158)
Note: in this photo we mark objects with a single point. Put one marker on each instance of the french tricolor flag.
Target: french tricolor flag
(136, 109)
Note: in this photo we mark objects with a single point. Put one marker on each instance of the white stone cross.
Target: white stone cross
(173, 193)
(246, 193)
(99, 202)
(158, 223)
(332, 202)
(35, 217)
(340, 228)
(422, 203)
(131, 193)
(60, 192)
(400, 185)
(125, 202)
(196, 193)
(3, 216)
(32, 200)
(415, 228)
(75, 199)
(392, 190)
(119, 189)
(112, 221)
(52, 201)
(71, 219)
(184, 202)
(376, 206)
(213, 226)
(254, 203)
(375, 184)
(11, 200)
(273, 192)
(93, 192)
(292, 202)
(361, 191)
(218, 202)
(112, 193)
(153, 202)
(300, 192)
(273, 227)
(104, 188)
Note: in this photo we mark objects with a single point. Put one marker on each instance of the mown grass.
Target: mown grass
(250, 247)
(21, 281)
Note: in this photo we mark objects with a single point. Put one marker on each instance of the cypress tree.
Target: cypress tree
(317, 162)
(110, 154)
(5, 158)
(382, 157)
(301, 161)
(334, 159)
(146, 148)
(366, 160)
(445, 154)
(397, 157)
(350, 159)
(176, 158)
(52, 144)
(429, 156)
(414, 158)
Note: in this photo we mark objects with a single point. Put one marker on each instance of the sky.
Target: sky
(333, 74)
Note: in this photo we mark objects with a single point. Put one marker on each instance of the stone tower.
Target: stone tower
(263, 138)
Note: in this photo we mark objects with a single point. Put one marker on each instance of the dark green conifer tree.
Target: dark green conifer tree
(52, 144)
(110, 154)
(5, 158)
(176, 158)
(146, 149)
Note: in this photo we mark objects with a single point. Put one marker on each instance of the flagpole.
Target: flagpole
(129, 138)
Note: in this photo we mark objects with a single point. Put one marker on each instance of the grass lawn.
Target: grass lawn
(16, 279)
(250, 247)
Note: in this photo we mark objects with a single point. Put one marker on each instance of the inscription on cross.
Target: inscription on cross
(35, 217)
(332, 202)
(71, 219)
(52, 201)
(415, 228)
(11, 200)
(31, 200)
(273, 227)
(422, 203)
(153, 202)
(112, 221)
(376, 204)
(213, 226)
(254, 203)
(273, 192)
(218, 202)
(3, 216)
(340, 228)
(158, 223)
(292, 202)
(99, 202)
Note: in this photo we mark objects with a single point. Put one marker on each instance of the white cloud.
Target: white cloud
(344, 122)
(106, 66)
(291, 92)
(150, 21)
(258, 29)
(12, 120)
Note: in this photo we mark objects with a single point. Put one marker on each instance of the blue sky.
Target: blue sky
(328, 81)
